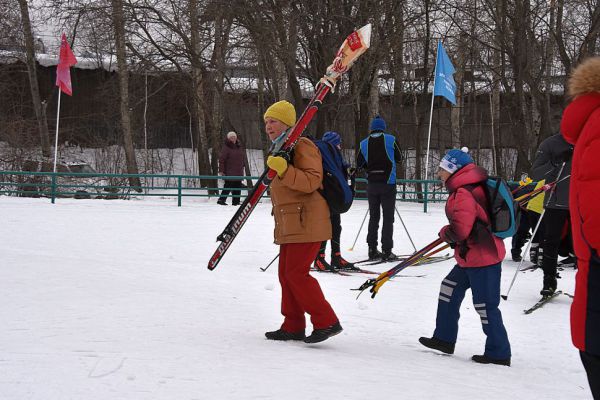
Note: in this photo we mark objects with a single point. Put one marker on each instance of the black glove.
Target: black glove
(283, 154)
(567, 154)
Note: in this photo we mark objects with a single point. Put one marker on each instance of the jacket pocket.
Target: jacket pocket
(291, 219)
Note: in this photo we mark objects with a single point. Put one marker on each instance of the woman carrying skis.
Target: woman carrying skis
(301, 224)
(478, 253)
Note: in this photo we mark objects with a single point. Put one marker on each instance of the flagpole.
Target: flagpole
(56, 147)
(56, 135)
(431, 116)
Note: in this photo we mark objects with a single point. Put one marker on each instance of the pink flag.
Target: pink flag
(65, 62)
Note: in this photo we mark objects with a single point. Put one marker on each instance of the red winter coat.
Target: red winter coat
(231, 159)
(580, 126)
(469, 228)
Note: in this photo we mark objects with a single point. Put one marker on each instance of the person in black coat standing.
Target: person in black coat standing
(379, 153)
(553, 163)
(231, 163)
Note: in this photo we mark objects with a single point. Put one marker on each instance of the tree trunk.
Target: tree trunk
(119, 30)
(198, 94)
(33, 82)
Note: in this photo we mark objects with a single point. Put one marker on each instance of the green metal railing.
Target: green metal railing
(116, 186)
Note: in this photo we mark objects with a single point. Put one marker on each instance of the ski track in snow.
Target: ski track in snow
(112, 300)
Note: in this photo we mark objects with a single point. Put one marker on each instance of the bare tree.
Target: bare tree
(38, 106)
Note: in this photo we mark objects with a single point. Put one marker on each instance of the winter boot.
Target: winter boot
(549, 285)
(374, 254)
(319, 335)
(437, 344)
(338, 262)
(533, 253)
(280, 334)
(321, 265)
(221, 202)
(483, 359)
(388, 256)
(540, 259)
(516, 255)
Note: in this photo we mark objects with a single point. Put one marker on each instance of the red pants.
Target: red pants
(300, 292)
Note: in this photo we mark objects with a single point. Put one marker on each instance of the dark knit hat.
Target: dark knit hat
(377, 125)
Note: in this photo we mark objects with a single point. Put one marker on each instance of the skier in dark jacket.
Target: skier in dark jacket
(580, 126)
(552, 163)
(478, 253)
(379, 153)
(231, 163)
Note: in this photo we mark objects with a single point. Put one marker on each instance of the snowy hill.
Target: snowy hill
(112, 300)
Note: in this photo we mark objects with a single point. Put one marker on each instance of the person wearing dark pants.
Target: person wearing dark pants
(484, 283)
(382, 199)
(553, 163)
(478, 254)
(337, 261)
(231, 163)
(233, 187)
(591, 363)
(379, 153)
(580, 126)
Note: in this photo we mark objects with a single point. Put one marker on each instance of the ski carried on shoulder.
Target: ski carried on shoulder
(353, 47)
(542, 302)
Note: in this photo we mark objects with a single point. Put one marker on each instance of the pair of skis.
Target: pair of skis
(353, 47)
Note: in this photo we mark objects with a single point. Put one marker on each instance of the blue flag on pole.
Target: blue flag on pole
(444, 82)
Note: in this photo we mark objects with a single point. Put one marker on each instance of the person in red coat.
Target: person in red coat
(580, 126)
(231, 163)
(478, 253)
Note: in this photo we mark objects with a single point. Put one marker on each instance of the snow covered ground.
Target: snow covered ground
(112, 300)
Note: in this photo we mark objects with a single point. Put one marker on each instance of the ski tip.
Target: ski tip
(365, 33)
(504, 297)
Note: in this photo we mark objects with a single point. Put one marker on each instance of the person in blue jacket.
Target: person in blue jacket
(379, 153)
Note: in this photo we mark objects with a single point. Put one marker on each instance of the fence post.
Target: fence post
(179, 191)
(53, 187)
(426, 195)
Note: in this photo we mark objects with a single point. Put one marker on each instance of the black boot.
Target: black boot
(374, 254)
(338, 262)
(280, 334)
(437, 344)
(319, 335)
(221, 202)
(549, 284)
(483, 359)
(516, 255)
(388, 256)
(321, 265)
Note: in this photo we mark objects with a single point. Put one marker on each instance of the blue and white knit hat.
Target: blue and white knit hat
(456, 159)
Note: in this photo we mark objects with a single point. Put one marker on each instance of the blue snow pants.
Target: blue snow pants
(485, 287)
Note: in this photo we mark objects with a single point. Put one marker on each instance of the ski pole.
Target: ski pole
(406, 230)
(376, 283)
(359, 229)
(505, 297)
(554, 186)
(268, 265)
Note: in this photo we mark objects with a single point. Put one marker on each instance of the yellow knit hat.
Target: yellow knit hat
(282, 111)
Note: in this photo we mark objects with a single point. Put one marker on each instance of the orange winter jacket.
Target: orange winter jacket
(301, 213)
